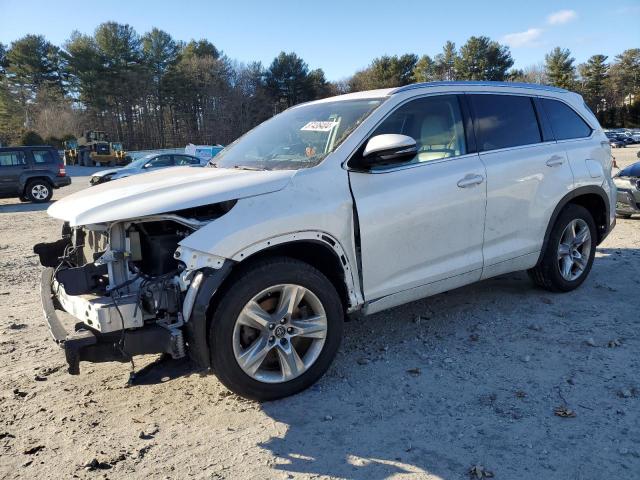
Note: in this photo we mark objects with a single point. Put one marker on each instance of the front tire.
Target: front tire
(276, 329)
(38, 191)
(569, 253)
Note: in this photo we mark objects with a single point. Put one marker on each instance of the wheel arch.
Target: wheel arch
(27, 180)
(594, 199)
(318, 249)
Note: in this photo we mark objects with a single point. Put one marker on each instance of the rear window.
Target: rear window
(504, 121)
(566, 123)
(11, 159)
(42, 156)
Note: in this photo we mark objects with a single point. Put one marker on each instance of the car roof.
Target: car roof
(471, 86)
(471, 83)
(25, 147)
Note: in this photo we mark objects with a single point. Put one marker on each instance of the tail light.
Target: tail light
(61, 170)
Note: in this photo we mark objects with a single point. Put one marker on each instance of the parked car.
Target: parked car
(630, 137)
(615, 142)
(356, 203)
(145, 164)
(628, 182)
(31, 173)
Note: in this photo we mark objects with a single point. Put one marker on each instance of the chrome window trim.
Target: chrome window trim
(416, 164)
(517, 147)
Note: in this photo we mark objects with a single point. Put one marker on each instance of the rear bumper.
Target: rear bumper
(61, 182)
(86, 344)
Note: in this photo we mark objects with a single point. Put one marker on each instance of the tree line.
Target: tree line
(153, 91)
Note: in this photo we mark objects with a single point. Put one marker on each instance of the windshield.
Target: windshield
(300, 137)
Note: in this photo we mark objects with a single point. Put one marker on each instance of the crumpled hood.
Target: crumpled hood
(165, 191)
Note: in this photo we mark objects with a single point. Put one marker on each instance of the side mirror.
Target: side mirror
(387, 149)
(147, 165)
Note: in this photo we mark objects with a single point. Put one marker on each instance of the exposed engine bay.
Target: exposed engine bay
(125, 284)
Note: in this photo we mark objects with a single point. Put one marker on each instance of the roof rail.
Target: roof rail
(472, 83)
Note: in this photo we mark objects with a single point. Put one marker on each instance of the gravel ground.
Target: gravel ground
(428, 390)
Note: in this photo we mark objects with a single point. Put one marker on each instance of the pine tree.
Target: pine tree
(483, 59)
(559, 68)
(593, 77)
(425, 70)
(445, 62)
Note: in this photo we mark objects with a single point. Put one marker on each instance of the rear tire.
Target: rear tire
(38, 191)
(291, 363)
(566, 262)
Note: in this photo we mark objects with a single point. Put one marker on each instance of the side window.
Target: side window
(42, 156)
(434, 122)
(184, 160)
(566, 123)
(504, 121)
(161, 161)
(12, 159)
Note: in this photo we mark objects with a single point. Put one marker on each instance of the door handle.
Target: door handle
(555, 160)
(470, 180)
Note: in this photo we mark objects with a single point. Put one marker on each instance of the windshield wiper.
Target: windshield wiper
(247, 167)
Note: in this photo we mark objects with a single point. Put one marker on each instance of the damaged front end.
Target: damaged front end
(112, 291)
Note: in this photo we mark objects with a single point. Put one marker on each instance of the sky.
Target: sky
(342, 36)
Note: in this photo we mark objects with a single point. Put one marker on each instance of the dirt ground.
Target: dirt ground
(427, 390)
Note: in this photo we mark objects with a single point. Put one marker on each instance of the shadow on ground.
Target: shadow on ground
(451, 402)
(161, 370)
(19, 206)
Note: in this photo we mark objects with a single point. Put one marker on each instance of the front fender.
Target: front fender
(317, 206)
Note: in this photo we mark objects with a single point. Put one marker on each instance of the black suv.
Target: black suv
(31, 173)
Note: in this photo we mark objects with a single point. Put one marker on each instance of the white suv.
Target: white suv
(354, 203)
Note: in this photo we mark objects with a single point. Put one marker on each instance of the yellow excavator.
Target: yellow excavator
(93, 148)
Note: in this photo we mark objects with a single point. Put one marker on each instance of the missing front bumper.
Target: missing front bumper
(86, 344)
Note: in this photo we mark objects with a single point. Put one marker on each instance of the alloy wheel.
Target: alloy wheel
(574, 249)
(279, 333)
(39, 191)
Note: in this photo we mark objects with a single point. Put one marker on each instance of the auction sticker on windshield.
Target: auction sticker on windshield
(319, 126)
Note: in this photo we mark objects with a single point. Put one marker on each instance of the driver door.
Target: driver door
(422, 221)
(161, 161)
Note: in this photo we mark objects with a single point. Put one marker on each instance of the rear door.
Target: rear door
(422, 221)
(45, 160)
(588, 153)
(13, 165)
(527, 175)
